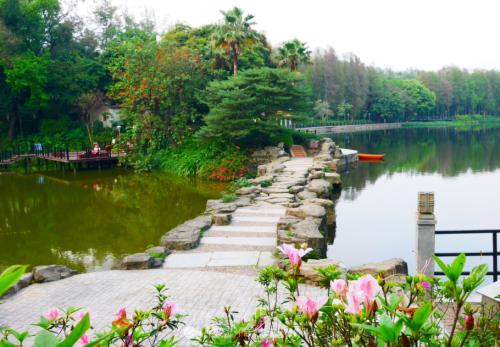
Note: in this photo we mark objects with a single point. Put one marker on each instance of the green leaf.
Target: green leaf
(393, 301)
(45, 339)
(441, 265)
(476, 277)
(77, 332)
(456, 267)
(7, 344)
(420, 317)
(10, 276)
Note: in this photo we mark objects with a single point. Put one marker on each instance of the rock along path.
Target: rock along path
(250, 240)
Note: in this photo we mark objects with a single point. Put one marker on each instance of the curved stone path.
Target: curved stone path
(251, 238)
(200, 294)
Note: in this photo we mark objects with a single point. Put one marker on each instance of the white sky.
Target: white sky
(398, 34)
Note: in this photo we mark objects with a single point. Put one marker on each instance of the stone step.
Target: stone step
(255, 219)
(262, 211)
(231, 248)
(219, 259)
(268, 229)
(250, 241)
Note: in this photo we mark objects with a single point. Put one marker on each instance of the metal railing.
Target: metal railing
(494, 253)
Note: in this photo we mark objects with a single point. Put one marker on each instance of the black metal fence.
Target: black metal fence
(494, 250)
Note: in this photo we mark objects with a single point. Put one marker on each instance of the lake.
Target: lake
(89, 220)
(376, 211)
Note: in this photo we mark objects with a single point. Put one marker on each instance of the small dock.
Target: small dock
(63, 159)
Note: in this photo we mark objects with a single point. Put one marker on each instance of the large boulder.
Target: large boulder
(308, 270)
(248, 190)
(313, 210)
(138, 261)
(221, 218)
(333, 177)
(295, 189)
(323, 157)
(320, 187)
(304, 195)
(262, 179)
(218, 206)
(306, 231)
(187, 235)
(393, 266)
(158, 251)
(50, 273)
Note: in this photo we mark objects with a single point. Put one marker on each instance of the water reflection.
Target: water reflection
(88, 219)
(376, 209)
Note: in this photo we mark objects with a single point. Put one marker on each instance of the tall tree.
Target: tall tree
(246, 109)
(234, 34)
(292, 53)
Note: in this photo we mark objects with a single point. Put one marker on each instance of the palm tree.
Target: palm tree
(234, 34)
(292, 53)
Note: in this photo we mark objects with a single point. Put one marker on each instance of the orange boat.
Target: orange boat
(370, 157)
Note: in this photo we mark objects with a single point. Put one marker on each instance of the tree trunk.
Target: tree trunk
(235, 64)
(12, 127)
(20, 124)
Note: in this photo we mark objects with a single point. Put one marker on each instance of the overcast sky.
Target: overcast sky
(397, 34)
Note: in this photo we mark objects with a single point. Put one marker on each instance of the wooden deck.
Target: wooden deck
(73, 159)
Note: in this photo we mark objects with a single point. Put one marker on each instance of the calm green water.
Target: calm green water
(90, 219)
(377, 207)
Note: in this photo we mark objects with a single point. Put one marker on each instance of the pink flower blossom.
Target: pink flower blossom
(339, 286)
(84, 340)
(426, 285)
(310, 307)
(170, 309)
(267, 343)
(121, 320)
(369, 287)
(294, 255)
(354, 299)
(53, 314)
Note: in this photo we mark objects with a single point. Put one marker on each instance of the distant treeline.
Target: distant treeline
(353, 90)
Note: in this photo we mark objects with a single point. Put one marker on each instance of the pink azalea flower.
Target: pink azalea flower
(170, 309)
(310, 307)
(84, 340)
(369, 287)
(425, 285)
(267, 343)
(53, 314)
(339, 286)
(354, 299)
(294, 255)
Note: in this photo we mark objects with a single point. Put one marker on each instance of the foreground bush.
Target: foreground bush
(354, 311)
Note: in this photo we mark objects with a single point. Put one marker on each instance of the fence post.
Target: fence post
(425, 234)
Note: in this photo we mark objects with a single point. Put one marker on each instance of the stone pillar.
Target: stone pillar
(425, 234)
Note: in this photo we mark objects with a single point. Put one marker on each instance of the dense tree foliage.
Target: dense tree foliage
(249, 106)
(223, 80)
(374, 94)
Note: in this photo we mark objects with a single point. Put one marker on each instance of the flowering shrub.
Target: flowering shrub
(70, 327)
(354, 311)
(361, 311)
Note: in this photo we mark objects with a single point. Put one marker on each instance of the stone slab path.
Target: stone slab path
(200, 294)
(251, 238)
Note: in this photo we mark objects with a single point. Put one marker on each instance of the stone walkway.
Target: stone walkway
(251, 238)
(200, 294)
